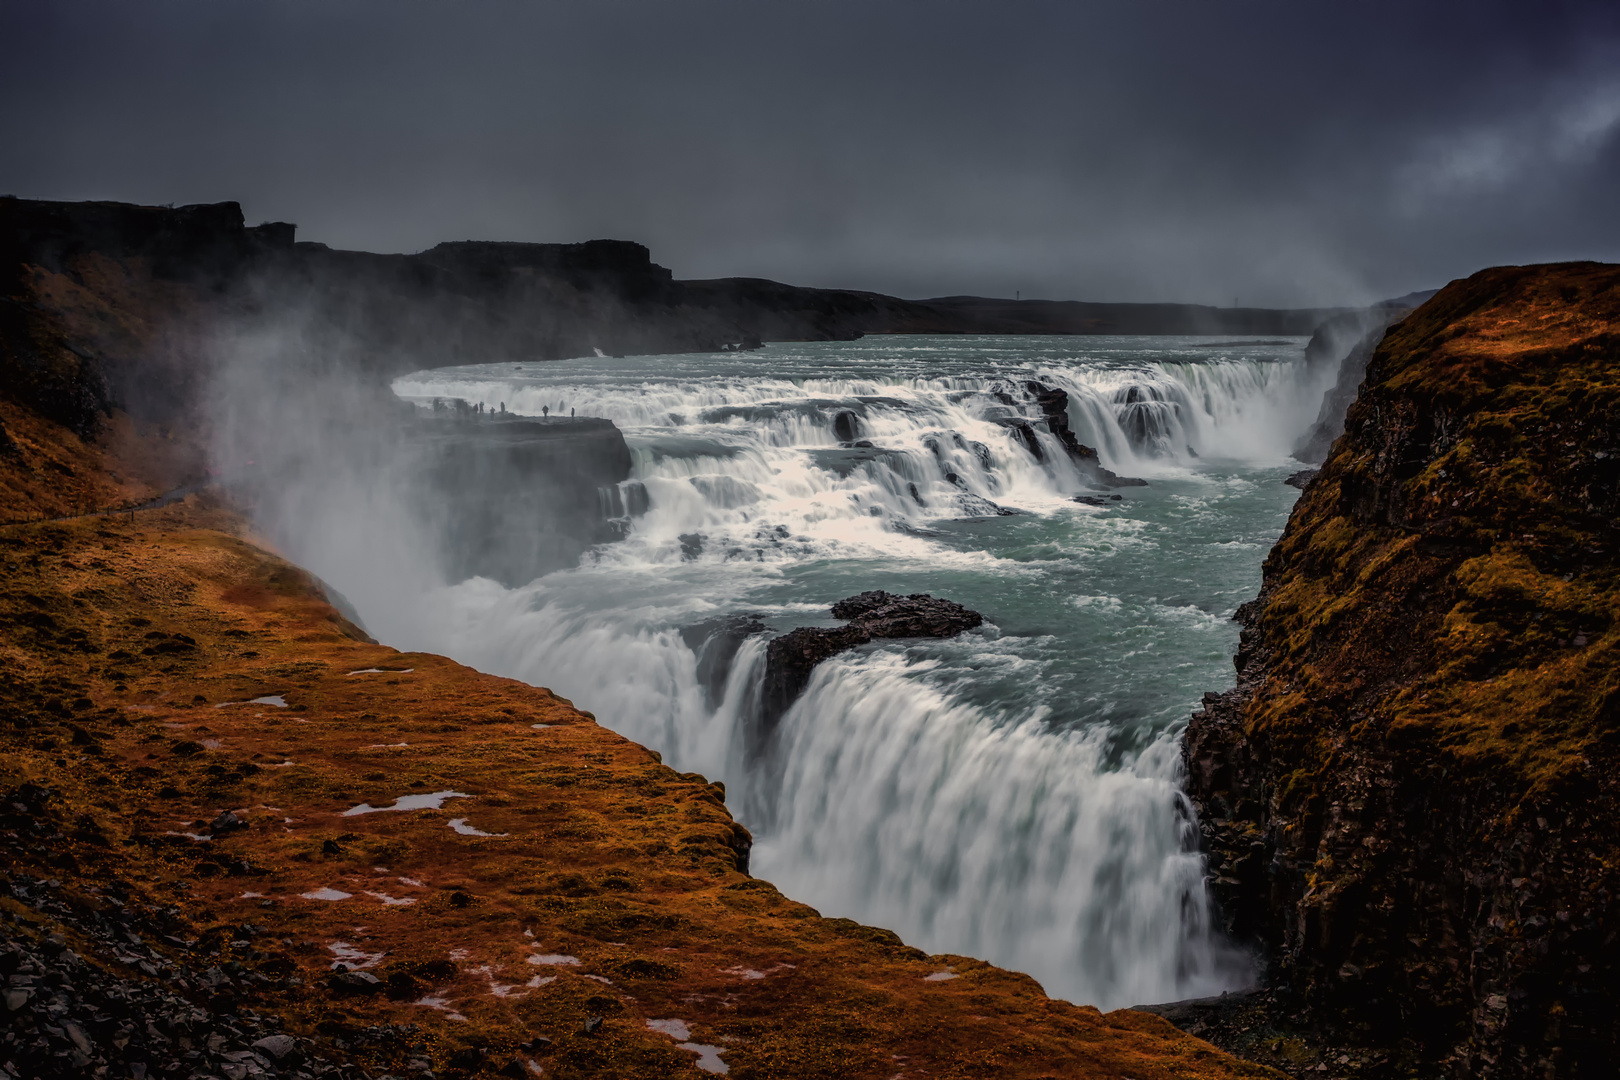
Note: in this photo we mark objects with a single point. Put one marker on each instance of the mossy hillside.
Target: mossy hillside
(1411, 795)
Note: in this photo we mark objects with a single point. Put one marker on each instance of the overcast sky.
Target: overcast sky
(1216, 151)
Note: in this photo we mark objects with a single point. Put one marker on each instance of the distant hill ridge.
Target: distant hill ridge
(541, 301)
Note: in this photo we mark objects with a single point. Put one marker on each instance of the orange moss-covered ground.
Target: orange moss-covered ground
(132, 651)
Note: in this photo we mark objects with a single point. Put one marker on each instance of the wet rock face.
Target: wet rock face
(1054, 406)
(716, 642)
(1347, 340)
(1411, 799)
(791, 658)
(1301, 479)
(519, 498)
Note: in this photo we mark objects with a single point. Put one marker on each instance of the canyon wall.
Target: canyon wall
(514, 499)
(1410, 798)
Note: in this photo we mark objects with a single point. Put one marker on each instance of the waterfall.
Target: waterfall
(771, 468)
(1012, 793)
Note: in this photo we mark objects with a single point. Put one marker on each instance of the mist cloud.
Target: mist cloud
(1251, 152)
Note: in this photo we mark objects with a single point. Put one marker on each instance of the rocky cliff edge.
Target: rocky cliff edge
(1410, 799)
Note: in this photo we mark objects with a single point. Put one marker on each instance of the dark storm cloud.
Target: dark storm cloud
(1268, 153)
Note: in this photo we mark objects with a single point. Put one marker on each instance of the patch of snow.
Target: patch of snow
(541, 980)
(389, 901)
(325, 893)
(675, 1029)
(460, 825)
(433, 800)
(553, 958)
(412, 881)
(751, 973)
(253, 896)
(537, 727)
(941, 976)
(708, 1057)
(443, 1005)
(383, 671)
(353, 957)
(388, 746)
(269, 699)
(534, 1067)
(191, 835)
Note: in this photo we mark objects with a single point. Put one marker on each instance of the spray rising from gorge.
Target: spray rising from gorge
(1011, 793)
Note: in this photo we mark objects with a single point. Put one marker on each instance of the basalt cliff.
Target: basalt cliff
(241, 839)
(1409, 800)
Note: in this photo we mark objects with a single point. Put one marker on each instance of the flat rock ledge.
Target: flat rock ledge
(790, 658)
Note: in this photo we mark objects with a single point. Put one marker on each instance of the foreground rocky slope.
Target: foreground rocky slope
(1410, 799)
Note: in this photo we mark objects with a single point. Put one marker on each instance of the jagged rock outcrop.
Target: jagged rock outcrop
(1347, 340)
(1411, 799)
(791, 658)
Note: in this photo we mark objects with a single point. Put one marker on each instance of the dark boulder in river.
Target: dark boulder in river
(1301, 479)
(790, 658)
(885, 615)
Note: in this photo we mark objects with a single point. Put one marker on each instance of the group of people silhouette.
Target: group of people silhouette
(464, 408)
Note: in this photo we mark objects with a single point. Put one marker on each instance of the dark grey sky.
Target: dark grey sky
(1278, 153)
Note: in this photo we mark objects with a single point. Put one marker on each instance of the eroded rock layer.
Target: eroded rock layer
(1409, 800)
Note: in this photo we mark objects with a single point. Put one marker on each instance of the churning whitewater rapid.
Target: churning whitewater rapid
(1012, 793)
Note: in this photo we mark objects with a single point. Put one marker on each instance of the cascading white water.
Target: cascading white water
(1012, 793)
